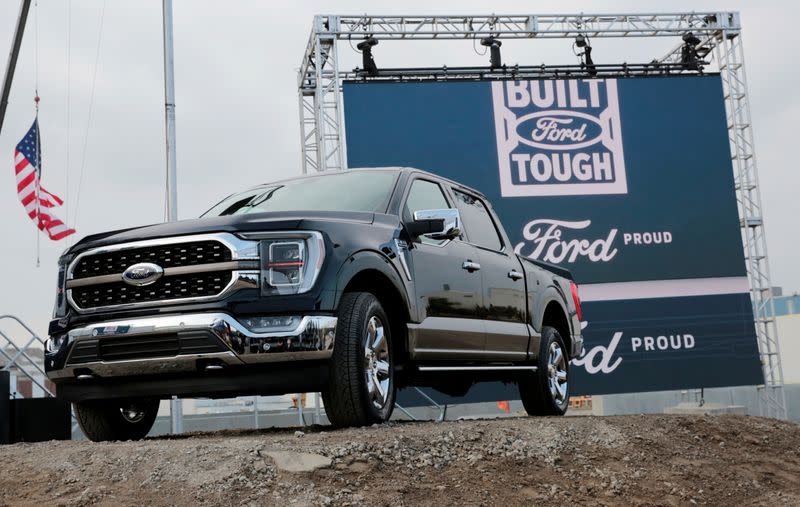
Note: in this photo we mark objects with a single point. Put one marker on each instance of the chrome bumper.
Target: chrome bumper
(312, 338)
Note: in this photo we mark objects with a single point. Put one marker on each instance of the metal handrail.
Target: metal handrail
(20, 352)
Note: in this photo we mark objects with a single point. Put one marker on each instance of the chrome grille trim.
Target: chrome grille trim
(243, 267)
(181, 270)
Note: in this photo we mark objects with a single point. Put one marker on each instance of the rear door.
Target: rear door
(448, 295)
(504, 307)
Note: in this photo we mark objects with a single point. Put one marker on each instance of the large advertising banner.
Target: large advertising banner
(627, 182)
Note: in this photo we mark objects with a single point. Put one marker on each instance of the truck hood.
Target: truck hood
(275, 221)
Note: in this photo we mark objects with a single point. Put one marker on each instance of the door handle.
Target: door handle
(470, 266)
(515, 275)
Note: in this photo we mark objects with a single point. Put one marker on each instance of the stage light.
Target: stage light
(690, 38)
(689, 55)
(495, 61)
(367, 61)
(585, 56)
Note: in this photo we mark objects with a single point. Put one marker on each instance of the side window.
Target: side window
(478, 222)
(424, 195)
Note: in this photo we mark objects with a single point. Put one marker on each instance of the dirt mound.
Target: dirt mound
(637, 460)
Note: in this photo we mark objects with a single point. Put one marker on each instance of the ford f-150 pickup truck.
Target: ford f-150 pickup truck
(351, 283)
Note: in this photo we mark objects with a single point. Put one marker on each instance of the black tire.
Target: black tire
(103, 420)
(535, 389)
(352, 398)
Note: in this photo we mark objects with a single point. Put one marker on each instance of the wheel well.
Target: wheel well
(554, 317)
(378, 284)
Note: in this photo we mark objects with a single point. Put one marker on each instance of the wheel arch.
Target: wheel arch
(553, 313)
(371, 272)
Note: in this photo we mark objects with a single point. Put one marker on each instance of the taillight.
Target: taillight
(576, 299)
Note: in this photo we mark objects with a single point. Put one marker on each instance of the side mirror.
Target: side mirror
(437, 224)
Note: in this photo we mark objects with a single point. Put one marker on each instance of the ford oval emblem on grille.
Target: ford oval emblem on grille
(143, 273)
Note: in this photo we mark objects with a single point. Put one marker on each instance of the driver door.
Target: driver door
(449, 293)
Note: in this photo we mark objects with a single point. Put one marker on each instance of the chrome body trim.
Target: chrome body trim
(241, 250)
(402, 252)
(179, 270)
(476, 368)
(312, 338)
(455, 338)
(451, 218)
(239, 280)
(149, 366)
(461, 352)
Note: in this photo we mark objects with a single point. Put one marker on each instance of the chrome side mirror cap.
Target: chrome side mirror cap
(450, 220)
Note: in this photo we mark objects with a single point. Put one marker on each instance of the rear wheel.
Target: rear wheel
(102, 420)
(546, 392)
(361, 386)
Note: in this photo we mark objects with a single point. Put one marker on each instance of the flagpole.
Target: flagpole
(38, 169)
(176, 404)
(169, 114)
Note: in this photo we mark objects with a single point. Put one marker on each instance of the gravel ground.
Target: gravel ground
(634, 460)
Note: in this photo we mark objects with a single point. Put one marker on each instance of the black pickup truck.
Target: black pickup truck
(351, 284)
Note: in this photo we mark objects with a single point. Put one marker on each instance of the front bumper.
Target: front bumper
(144, 346)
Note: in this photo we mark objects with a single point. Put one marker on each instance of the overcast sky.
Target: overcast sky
(237, 116)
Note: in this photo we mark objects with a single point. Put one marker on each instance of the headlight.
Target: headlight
(290, 264)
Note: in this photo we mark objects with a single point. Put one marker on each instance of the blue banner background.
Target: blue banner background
(679, 179)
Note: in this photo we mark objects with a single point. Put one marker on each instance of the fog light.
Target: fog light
(271, 324)
(55, 343)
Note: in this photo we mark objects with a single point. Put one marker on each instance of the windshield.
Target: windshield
(346, 191)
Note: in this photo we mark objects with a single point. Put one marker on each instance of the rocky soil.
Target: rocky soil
(633, 460)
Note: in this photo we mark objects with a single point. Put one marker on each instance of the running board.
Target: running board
(476, 368)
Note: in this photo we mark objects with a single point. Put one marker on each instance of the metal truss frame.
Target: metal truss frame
(323, 133)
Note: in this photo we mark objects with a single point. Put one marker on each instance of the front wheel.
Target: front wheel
(546, 392)
(103, 420)
(361, 387)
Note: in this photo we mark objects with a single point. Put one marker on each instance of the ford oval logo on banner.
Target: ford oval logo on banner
(558, 137)
(143, 273)
(559, 130)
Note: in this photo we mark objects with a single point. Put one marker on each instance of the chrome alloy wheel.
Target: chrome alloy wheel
(132, 413)
(376, 363)
(557, 373)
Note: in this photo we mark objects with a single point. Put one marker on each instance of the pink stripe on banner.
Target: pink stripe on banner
(664, 288)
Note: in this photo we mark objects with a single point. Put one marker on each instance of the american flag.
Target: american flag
(38, 202)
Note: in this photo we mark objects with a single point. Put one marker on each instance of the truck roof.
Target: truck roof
(397, 169)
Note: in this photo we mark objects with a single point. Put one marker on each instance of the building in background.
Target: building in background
(787, 319)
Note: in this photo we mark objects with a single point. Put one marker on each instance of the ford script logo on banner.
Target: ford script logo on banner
(559, 137)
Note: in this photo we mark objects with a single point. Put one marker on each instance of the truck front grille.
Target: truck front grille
(164, 289)
(144, 347)
(182, 269)
(167, 256)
